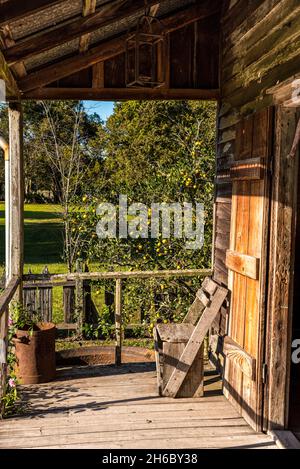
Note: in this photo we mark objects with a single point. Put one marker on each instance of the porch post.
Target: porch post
(16, 186)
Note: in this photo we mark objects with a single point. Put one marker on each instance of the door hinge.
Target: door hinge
(264, 373)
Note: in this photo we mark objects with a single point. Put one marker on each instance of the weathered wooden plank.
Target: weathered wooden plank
(194, 343)
(118, 322)
(45, 303)
(16, 256)
(243, 264)
(19, 69)
(248, 170)
(158, 347)
(98, 80)
(135, 436)
(209, 286)
(175, 333)
(205, 300)
(13, 10)
(109, 94)
(45, 430)
(266, 35)
(284, 187)
(132, 274)
(194, 312)
(7, 295)
(89, 7)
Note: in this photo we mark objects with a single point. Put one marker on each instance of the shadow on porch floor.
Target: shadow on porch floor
(118, 407)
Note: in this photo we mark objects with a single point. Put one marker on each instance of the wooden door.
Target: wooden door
(247, 263)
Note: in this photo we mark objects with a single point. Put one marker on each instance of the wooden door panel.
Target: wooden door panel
(246, 261)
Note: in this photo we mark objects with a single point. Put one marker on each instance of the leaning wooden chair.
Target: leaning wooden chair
(179, 347)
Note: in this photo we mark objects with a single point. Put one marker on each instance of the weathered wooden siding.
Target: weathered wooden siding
(260, 42)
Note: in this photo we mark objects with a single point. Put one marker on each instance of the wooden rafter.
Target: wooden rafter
(89, 7)
(112, 47)
(105, 15)
(18, 69)
(110, 94)
(16, 9)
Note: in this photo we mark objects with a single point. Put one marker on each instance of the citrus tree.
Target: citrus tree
(153, 152)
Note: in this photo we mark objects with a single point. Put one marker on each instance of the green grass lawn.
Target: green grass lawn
(43, 237)
(43, 244)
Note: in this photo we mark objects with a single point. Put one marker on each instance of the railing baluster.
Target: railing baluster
(118, 322)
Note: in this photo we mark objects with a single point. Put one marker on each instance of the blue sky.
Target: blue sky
(103, 108)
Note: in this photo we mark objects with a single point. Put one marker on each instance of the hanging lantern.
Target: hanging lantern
(145, 54)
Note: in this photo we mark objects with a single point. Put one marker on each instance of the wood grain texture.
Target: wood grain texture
(195, 342)
(104, 407)
(242, 359)
(110, 94)
(175, 333)
(15, 10)
(89, 7)
(283, 213)
(7, 295)
(248, 170)
(16, 255)
(243, 264)
(118, 321)
(248, 242)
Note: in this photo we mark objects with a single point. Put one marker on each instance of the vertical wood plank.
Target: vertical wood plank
(69, 303)
(17, 194)
(118, 322)
(79, 301)
(98, 75)
(283, 211)
(45, 300)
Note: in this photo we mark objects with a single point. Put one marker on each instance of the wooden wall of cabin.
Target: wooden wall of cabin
(260, 40)
(259, 47)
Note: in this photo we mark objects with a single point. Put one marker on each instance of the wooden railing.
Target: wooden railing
(5, 299)
(77, 292)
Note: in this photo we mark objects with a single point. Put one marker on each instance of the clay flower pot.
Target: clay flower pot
(35, 353)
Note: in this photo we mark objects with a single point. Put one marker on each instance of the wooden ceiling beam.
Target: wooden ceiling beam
(16, 9)
(105, 15)
(110, 48)
(18, 69)
(111, 94)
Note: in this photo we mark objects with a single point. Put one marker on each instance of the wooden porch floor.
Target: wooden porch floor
(109, 407)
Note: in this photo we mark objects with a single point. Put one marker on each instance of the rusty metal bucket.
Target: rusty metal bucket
(35, 353)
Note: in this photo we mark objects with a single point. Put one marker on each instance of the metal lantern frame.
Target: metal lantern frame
(146, 35)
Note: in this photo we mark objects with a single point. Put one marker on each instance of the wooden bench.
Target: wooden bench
(179, 347)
